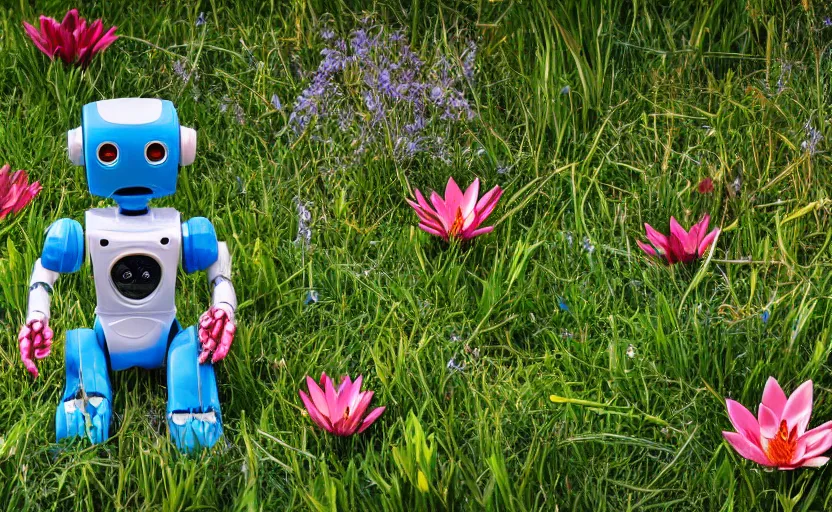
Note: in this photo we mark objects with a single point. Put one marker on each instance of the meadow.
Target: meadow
(547, 365)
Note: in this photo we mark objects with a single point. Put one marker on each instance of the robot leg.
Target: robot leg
(85, 409)
(193, 411)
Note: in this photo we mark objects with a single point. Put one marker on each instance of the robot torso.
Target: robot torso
(135, 260)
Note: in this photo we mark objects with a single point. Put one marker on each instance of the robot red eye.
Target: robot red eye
(107, 153)
(155, 152)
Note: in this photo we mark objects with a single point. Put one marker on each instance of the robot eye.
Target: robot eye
(127, 275)
(155, 152)
(107, 153)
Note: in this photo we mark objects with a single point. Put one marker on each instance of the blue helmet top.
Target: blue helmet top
(132, 149)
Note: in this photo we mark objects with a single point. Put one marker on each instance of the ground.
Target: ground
(593, 116)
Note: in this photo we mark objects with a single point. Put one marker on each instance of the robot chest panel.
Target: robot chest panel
(134, 258)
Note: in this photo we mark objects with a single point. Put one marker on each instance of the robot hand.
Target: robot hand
(216, 332)
(35, 339)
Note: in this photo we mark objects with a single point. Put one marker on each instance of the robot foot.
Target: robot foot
(88, 416)
(191, 431)
(86, 407)
(193, 412)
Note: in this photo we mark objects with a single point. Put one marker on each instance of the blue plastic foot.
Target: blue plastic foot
(85, 408)
(193, 410)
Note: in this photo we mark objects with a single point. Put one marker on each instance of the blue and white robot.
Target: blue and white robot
(132, 149)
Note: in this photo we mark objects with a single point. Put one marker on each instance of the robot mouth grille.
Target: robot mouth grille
(133, 191)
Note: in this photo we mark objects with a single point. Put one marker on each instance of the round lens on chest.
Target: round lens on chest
(136, 276)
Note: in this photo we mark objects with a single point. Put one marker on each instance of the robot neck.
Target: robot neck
(132, 205)
(133, 213)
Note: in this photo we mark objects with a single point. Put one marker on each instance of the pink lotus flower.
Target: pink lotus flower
(15, 191)
(778, 436)
(458, 215)
(680, 246)
(341, 411)
(72, 40)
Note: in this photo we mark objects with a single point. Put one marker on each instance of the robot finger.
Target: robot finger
(225, 342)
(43, 351)
(216, 329)
(204, 355)
(26, 355)
(206, 319)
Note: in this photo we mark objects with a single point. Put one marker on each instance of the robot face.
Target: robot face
(132, 149)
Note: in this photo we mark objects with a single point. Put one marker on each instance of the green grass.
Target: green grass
(661, 95)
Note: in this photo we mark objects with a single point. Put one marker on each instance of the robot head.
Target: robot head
(132, 149)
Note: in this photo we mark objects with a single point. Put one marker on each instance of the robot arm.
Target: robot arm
(63, 251)
(219, 276)
(216, 326)
(202, 251)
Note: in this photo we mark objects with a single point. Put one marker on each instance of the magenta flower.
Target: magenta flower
(680, 246)
(72, 40)
(778, 436)
(15, 191)
(706, 186)
(459, 214)
(341, 411)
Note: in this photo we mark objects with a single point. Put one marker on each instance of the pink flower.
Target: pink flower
(15, 191)
(778, 436)
(458, 215)
(341, 411)
(706, 186)
(72, 40)
(680, 246)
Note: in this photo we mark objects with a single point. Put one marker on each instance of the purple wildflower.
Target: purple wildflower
(813, 138)
(371, 87)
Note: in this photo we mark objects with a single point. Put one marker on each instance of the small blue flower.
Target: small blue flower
(562, 304)
(311, 298)
(200, 20)
(827, 22)
(276, 102)
(587, 245)
(766, 314)
(565, 90)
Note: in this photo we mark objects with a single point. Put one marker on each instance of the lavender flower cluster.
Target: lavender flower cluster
(372, 92)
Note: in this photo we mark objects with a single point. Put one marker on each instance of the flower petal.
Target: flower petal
(487, 203)
(774, 397)
(746, 449)
(648, 249)
(453, 195)
(658, 240)
(798, 409)
(706, 242)
(318, 397)
(316, 416)
(818, 440)
(103, 43)
(687, 242)
(433, 231)
(372, 417)
(469, 198)
(478, 232)
(814, 462)
(769, 422)
(744, 422)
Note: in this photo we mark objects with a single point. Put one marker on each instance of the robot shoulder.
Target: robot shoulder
(199, 244)
(63, 249)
